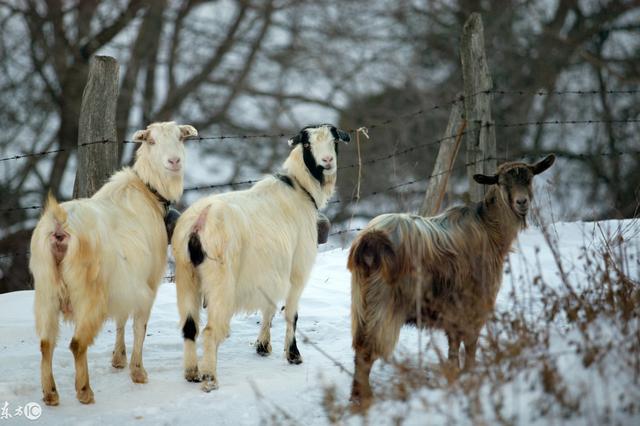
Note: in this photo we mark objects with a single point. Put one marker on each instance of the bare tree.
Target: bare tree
(217, 66)
(530, 48)
(269, 67)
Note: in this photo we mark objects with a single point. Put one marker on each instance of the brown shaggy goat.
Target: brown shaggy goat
(450, 266)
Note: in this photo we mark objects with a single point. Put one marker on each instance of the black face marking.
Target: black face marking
(303, 138)
(195, 250)
(189, 329)
(316, 170)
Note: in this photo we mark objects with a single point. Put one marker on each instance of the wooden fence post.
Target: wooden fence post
(442, 168)
(480, 137)
(97, 161)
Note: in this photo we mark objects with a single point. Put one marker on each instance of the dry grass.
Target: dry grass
(567, 351)
(565, 347)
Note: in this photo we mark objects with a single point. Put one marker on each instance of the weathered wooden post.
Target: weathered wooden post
(480, 137)
(444, 161)
(97, 161)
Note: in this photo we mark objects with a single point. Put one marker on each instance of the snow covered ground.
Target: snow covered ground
(252, 388)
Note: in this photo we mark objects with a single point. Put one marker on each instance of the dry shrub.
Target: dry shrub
(557, 352)
(566, 346)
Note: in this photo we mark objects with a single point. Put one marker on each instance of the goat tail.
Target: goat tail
(371, 253)
(53, 208)
(53, 227)
(49, 246)
(188, 254)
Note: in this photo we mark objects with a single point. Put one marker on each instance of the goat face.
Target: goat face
(515, 182)
(162, 144)
(320, 148)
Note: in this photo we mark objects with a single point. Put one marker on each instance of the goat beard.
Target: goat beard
(522, 218)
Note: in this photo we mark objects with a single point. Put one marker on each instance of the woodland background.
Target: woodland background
(243, 67)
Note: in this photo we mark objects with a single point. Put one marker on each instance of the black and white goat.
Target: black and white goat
(248, 250)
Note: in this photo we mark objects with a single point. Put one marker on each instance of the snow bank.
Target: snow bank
(252, 388)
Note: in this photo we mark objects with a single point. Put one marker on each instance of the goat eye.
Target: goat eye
(151, 141)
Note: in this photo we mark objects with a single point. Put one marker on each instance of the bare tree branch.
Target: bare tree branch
(107, 34)
(176, 97)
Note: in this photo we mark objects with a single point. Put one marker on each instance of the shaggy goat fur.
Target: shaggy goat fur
(248, 250)
(104, 256)
(442, 272)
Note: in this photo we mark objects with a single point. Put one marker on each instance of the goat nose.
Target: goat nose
(174, 161)
(327, 159)
(522, 201)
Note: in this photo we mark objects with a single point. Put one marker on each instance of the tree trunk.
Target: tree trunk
(97, 161)
(442, 169)
(481, 137)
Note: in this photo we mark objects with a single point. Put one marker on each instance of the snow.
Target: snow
(252, 388)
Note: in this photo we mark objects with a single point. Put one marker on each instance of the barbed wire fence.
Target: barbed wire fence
(383, 123)
(403, 118)
(382, 158)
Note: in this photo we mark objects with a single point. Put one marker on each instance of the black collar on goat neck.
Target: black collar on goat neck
(165, 203)
(289, 181)
(309, 160)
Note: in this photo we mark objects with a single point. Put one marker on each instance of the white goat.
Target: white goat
(247, 250)
(104, 256)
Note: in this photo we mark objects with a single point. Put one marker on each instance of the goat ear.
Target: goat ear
(486, 180)
(140, 136)
(343, 136)
(543, 164)
(302, 137)
(187, 131)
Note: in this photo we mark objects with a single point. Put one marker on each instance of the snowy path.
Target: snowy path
(169, 399)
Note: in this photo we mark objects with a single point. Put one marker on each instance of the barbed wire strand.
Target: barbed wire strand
(459, 98)
(251, 181)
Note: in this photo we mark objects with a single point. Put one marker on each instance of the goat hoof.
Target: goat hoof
(51, 398)
(263, 349)
(191, 374)
(119, 360)
(138, 375)
(293, 354)
(295, 359)
(209, 383)
(359, 405)
(85, 395)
